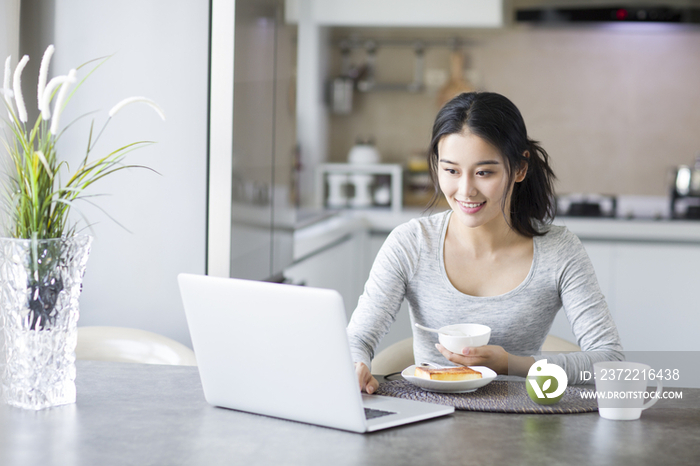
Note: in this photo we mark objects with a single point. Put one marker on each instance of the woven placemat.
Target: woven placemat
(498, 396)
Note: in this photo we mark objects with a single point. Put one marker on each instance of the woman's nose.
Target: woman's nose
(466, 187)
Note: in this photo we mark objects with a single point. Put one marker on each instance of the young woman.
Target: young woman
(493, 259)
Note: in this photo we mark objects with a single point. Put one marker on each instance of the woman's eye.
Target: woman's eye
(451, 171)
(483, 173)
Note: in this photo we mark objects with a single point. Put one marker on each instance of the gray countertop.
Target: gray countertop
(156, 415)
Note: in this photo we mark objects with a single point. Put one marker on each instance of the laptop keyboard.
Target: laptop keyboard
(375, 413)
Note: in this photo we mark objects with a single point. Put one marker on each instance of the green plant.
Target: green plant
(38, 200)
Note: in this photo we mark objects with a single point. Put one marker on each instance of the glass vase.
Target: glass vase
(40, 283)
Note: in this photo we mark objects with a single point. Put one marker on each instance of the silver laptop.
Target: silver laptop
(282, 351)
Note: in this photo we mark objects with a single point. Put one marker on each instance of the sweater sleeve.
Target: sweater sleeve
(587, 311)
(384, 292)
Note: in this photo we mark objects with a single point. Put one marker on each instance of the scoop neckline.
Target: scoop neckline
(507, 294)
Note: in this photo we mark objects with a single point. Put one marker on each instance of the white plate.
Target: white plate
(450, 386)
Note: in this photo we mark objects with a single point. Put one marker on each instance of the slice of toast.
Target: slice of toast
(449, 373)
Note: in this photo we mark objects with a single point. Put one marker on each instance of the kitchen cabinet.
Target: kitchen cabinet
(656, 303)
(651, 290)
(648, 272)
(335, 266)
(398, 13)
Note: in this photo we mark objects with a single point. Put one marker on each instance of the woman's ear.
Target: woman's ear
(522, 171)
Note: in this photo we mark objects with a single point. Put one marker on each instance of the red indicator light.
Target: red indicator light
(621, 14)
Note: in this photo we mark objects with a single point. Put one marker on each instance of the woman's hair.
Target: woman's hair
(498, 121)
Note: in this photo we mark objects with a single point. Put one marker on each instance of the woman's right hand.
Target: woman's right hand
(367, 382)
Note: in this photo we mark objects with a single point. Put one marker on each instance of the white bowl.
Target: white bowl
(475, 335)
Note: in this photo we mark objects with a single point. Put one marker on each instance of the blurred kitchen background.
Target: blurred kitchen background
(614, 103)
(616, 107)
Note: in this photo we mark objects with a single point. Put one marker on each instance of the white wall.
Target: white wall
(312, 113)
(9, 30)
(159, 50)
(9, 46)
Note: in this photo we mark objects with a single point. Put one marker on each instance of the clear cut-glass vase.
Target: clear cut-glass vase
(40, 283)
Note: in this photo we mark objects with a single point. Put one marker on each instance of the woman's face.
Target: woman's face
(473, 178)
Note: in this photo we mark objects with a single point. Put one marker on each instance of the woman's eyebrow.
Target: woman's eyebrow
(483, 162)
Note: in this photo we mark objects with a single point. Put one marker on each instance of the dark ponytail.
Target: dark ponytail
(498, 121)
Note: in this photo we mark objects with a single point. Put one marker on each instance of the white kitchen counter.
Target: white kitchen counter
(670, 231)
(321, 234)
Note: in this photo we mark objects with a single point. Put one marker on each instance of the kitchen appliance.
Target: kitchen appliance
(646, 207)
(364, 152)
(587, 205)
(685, 191)
(606, 11)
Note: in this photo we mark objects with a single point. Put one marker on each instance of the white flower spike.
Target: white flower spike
(7, 92)
(62, 93)
(131, 100)
(17, 88)
(43, 73)
(45, 102)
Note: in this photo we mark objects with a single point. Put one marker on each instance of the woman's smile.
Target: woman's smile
(471, 207)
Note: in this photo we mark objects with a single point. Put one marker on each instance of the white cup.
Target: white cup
(621, 388)
(337, 196)
(363, 189)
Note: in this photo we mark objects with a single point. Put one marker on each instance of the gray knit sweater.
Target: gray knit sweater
(410, 266)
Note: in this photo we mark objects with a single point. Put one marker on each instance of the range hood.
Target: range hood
(605, 11)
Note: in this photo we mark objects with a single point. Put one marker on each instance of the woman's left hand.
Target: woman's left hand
(492, 356)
